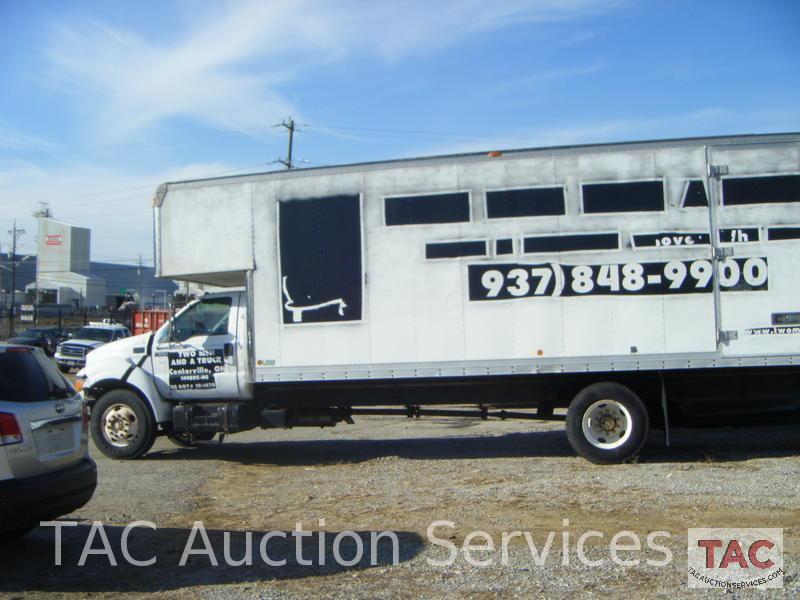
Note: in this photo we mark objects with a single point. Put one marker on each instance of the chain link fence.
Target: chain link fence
(70, 318)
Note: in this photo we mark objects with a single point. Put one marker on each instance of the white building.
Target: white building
(63, 267)
(65, 275)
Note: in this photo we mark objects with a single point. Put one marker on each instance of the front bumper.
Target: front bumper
(25, 502)
(70, 361)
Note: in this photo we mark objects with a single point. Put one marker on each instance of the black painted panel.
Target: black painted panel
(695, 194)
(570, 242)
(634, 196)
(432, 208)
(321, 265)
(761, 190)
(504, 246)
(534, 202)
(455, 249)
(776, 234)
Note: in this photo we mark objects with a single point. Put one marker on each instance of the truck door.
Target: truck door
(198, 358)
(755, 195)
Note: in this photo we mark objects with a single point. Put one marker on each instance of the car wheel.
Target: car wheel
(122, 425)
(188, 440)
(607, 423)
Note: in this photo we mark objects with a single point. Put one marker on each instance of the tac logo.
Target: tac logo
(735, 558)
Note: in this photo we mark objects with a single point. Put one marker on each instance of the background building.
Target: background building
(62, 273)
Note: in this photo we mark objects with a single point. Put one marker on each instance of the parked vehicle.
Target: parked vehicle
(71, 354)
(148, 320)
(46, 338)
(45, 469)
(637, 285)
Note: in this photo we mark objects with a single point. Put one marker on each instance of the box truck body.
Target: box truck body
(559, 265)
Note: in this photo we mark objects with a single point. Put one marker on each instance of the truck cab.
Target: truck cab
(135, 385)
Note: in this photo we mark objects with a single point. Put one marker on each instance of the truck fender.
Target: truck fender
(124, 374)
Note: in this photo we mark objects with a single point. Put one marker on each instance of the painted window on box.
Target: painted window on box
(455, 249)
(631, 196)
(533, 202)
(694, 194)
(780, 234)
(771, 189)
(320, 258)
(504, 246)
(574, 242)
(430, 208)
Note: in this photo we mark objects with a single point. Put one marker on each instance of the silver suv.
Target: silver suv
(45, 469)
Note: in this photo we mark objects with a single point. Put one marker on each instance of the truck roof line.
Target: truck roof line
(493, 155)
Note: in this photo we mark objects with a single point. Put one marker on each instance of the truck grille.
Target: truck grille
(76, 351)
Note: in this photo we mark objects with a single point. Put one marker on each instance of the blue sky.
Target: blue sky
(101, 101)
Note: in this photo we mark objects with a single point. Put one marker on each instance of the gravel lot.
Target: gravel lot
(399, 475)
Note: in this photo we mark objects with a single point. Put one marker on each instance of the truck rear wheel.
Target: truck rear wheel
(607, 423)
(122, 425)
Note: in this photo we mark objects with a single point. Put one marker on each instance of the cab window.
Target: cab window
(207, 317)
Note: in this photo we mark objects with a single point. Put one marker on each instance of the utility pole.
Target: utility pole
(290, 127)
(139, 272)
(14, 234)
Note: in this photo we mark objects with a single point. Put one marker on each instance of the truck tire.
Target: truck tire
(189, 440)
(122, 425)
(607, 423)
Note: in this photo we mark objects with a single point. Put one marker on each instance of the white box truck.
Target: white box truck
(637, 284)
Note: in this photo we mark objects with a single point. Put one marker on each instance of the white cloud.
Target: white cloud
(226, 71)
(13, 139)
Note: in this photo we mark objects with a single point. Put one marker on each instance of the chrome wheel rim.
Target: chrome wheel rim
(120, 425)
(607, 424)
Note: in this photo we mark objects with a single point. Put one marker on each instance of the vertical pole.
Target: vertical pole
(290, 126)
(12, 310)
(139, 272)
(13, 279)
(36, 295)
(711, 183)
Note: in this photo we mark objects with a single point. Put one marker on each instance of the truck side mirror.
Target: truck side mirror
(171, 325)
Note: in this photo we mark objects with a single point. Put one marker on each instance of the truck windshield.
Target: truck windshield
(94, 333)
(207, 317)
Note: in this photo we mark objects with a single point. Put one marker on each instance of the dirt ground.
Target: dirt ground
(392, 474)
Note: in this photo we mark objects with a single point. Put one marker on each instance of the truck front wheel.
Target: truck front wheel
(122, 425)
(607, 423)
